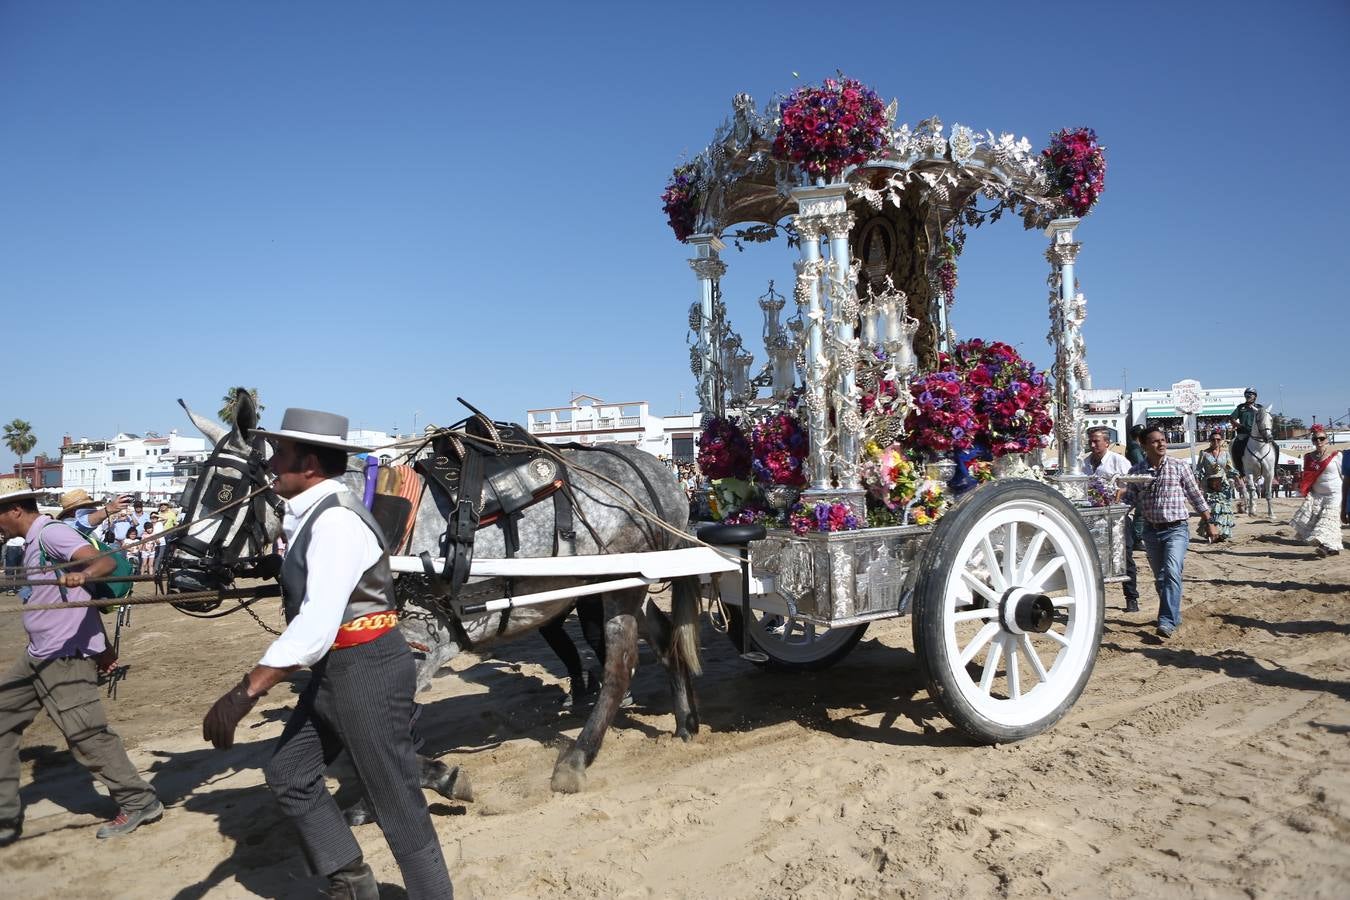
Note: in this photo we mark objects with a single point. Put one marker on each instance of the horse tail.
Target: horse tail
(684, 610)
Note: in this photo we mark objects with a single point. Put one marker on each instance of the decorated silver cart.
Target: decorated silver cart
(1005, 582)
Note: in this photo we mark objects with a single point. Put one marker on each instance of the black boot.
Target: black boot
(353, 882)
(1131, 605)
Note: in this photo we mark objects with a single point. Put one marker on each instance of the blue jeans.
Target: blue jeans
(1166, 550)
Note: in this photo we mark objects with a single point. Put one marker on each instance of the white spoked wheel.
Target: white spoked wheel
(1008, 610)
(792, 644)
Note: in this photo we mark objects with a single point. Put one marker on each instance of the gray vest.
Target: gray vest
(374, 591)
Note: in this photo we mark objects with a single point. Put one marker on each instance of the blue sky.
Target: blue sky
(373, 208)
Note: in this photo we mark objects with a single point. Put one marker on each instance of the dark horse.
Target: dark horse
(607, 488)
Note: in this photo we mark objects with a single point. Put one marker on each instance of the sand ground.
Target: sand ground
(1214, 765)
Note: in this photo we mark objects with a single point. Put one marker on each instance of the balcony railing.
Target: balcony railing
(541, 426)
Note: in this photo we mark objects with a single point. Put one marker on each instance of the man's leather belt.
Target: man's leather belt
(1163, 526)
(363, 629)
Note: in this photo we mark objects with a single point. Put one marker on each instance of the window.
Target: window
(121, 474)
(682, 447)
(121, 451)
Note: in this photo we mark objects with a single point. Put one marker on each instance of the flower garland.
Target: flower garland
(1010, 399)
(821, 517)
(826, 129)
(889, 476)
(723, 451)
(943, 417)
(1075, 166)
(680, 199)
(779, 447)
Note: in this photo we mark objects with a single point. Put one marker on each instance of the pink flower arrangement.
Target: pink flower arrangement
(889, 476)
(943, 417)
(680, 200)
(1010, 399)
(723, 451)
(1075, 164)
(821, 517)
(826, 129)
(779, 447)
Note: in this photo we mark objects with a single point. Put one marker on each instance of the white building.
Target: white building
(379, 441)
(1105, 408)
(1148, 407)
(590, 420)
(150, 466)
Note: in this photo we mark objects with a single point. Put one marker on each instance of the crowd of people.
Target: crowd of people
(1159, 516)
(120, 522)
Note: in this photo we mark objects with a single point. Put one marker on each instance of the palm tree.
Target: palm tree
(231, 398)
(19, 438)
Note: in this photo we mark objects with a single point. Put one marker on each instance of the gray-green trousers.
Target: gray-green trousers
(68, 690)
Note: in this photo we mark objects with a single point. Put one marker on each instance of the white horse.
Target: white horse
(1259, 459)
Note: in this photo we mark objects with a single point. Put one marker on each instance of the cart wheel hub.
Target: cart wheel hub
(1022, 611)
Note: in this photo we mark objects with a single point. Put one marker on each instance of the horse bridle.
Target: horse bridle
(222, 557)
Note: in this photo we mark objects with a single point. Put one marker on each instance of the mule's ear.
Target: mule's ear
(245, 412)
(213, 430)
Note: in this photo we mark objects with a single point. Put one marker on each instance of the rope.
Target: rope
(56, 567)
(262, 592)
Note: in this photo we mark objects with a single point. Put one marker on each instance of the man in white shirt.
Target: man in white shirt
(1102, 461)
(338, 597)
(1100, 458)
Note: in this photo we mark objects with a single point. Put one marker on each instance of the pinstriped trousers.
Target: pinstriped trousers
(361, 699)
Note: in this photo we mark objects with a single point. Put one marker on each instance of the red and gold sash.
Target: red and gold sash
(364, 628)
(1312, 470)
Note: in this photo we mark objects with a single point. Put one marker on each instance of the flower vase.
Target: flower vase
(780, 497)
(963, 480)
(939, 468)
(1013, 465)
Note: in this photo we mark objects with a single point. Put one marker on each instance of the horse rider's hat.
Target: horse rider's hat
(12, 487)
(75, 500)
(310, 426)
(1249, 392)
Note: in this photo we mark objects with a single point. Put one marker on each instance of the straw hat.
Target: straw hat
(12, 487)
(75, 500)
(310, 426)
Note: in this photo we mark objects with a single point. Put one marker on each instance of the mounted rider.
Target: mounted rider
(1248, 418)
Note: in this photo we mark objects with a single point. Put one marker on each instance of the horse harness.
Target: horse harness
(488, 473)
(482, 476)
(232, 476)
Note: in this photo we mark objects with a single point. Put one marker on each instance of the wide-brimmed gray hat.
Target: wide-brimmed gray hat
(310, 426)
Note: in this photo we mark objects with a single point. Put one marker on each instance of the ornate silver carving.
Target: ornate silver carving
(837, 223)
(710, 268)
(962, 144)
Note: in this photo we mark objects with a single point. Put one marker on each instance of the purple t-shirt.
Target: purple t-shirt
(58, 632)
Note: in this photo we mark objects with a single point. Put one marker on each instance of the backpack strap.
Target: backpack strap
(46, 561)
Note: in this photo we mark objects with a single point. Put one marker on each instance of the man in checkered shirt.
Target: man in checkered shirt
(1162, 506)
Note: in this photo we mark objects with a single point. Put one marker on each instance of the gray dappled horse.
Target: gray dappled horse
(1259, 458)
(202, 558)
